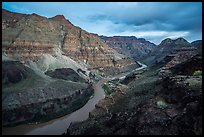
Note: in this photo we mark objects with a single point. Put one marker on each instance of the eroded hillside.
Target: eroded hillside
(165, 99)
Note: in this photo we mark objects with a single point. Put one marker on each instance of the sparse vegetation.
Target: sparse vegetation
(100, 73)
(161, 104)
(115, 81)
(107, 89)
(197, 72)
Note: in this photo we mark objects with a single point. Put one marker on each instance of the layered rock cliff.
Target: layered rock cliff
(131, 46)
(28, 36)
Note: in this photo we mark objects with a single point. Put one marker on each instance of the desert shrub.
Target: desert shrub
(161, 104)
(106, 88)
(197, 72)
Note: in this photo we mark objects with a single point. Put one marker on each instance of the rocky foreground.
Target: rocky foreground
(151, 103)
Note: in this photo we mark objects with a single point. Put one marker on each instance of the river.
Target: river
(60, 125)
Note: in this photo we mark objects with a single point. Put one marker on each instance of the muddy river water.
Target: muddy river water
(60, 125)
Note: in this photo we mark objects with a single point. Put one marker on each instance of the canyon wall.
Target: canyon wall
(28, 36)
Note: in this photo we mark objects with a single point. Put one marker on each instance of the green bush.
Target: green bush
(161, 104)
(197, 72)
(115, 81)
(106, 89)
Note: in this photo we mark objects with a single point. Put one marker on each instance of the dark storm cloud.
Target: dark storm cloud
(163, 16)
(154, 21)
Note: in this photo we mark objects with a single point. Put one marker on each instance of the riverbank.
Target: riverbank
(59, 126)
(151, 105)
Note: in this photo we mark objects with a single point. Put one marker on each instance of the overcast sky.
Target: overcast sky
(153, 21)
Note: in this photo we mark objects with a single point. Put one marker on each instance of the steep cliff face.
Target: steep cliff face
(41, 104)
(30, 36)
(131, 46)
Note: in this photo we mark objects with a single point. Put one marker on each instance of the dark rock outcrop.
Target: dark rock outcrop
(14, 72)
(41, 104)
(66, 74)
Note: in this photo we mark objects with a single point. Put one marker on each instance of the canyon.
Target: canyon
(58, 76)
(49, 66)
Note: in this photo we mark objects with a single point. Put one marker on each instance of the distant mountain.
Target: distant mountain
(177, 42)
(174, 44)
(197, 43)
(131, 46)
(168, 47)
